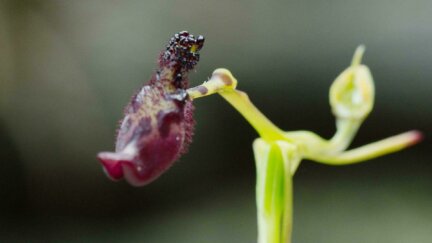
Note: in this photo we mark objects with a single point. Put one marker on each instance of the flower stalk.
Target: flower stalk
(278, 153)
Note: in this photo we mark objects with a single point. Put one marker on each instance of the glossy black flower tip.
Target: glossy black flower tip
(183, 50)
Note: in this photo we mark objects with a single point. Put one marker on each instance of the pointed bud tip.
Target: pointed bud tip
(358, 55)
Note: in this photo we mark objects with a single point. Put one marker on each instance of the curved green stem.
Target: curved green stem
(240, 101)
(372, 150)
(313, 145)
(345, 133)
(279, 153)
(223, 82)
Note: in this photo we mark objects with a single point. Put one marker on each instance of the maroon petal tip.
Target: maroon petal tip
(112, 164)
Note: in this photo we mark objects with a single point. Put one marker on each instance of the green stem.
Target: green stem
(345, 133)
(223, 83)
(265, 128)
(372, 150)
(274, 190)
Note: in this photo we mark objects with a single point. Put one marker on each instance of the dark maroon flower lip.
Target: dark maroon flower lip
(158, 122)
(112, 164)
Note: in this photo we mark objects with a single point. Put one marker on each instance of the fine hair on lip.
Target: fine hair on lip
(158, 122)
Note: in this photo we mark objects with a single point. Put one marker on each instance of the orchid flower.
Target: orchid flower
(158, 122)
(158, 126)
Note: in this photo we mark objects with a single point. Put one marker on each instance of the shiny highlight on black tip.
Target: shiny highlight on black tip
(182, 51)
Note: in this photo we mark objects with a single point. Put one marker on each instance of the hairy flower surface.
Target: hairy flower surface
(158, 123)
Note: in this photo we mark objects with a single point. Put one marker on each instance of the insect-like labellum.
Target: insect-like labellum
(158, 122)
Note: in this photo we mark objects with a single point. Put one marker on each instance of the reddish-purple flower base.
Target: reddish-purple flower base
(145, 165)
(158, 123)
(142, 154)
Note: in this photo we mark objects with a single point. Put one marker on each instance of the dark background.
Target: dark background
(67, 68)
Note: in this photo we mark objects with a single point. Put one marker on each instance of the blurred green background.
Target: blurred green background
(67, 69)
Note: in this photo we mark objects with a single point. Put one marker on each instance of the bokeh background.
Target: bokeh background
(67, 68)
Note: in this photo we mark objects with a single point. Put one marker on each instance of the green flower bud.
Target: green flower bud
(352, 93)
